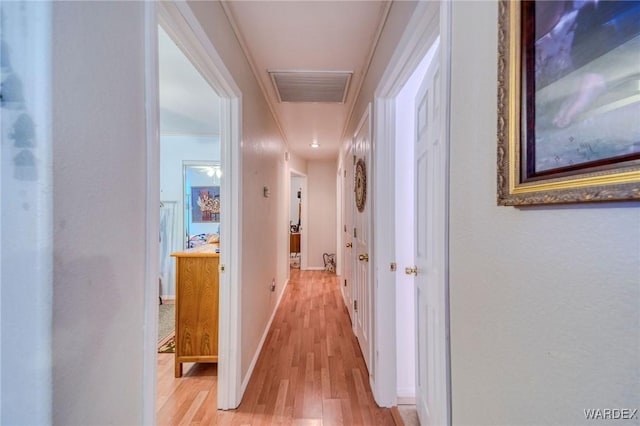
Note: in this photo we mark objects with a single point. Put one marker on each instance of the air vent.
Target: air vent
(311, 86)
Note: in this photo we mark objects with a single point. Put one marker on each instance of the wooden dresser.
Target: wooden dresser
(294, 243)
(197, 301)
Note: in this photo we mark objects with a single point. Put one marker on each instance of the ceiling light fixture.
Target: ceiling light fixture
(211, 171)
(315, 144)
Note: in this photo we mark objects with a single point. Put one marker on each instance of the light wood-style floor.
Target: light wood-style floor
(310, 371)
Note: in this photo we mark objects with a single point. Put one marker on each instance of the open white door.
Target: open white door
(361, 237)
(430, 256)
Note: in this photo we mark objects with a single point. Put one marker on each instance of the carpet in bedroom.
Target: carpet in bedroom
(166, 320)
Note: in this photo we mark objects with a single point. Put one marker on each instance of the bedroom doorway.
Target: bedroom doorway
(297, 220)
(190, 198)
(194, 171)
(189, 158)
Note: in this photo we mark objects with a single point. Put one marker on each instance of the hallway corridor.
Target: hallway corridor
(310, 371)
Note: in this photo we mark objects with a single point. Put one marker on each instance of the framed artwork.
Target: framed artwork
(205, 204)
(361, 184)
(568, 101)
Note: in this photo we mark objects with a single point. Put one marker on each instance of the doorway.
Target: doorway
(190, 201)
(189, 159)
(405, 233)
(179, 23)
(297, 220)
(412, 104)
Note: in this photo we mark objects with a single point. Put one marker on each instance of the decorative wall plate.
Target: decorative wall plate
(361, 184)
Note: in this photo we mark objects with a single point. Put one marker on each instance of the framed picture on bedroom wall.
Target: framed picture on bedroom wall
(205, 204)
(568, 101)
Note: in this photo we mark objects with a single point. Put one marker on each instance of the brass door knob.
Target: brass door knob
(348, 245)
(364, 257)
(411, 271)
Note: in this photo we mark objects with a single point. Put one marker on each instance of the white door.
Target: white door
(347, 233)
(361, 237)
(430, 245)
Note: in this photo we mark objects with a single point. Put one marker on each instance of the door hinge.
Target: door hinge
(354, 159)
(221, 268)
(355, 233)
(345, 283)
(355, 305)
(345, 172)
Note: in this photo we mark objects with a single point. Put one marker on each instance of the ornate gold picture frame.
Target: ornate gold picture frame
(558, 142)
(361, 184)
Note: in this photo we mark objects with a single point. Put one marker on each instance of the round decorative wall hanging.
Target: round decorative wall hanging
(361, 184)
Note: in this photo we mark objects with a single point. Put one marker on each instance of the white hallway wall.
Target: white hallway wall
(544, 301)
(99, 219)
(26, 215)
(321, 229)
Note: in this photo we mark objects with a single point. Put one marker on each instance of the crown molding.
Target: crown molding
(254, 69)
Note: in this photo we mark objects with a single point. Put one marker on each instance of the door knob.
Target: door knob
(411, 271)
(364, 257)
(348, 245)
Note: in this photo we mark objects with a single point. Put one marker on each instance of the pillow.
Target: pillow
(196, 240)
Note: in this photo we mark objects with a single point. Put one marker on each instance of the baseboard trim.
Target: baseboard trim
(172, 297)
(314, 268)
(247, 377)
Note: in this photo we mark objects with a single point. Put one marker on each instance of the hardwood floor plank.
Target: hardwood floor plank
(193, 408)
(332, 412)
(310, 371)
(347, 414)
(281, 399)
(326, 383)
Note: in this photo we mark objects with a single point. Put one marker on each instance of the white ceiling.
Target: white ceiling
(309, 35)
(188, 104)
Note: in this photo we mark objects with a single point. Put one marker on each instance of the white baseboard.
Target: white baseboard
(314, 268)
(171, 297)
(247, 377)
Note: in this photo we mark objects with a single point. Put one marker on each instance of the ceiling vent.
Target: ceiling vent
(311, 86)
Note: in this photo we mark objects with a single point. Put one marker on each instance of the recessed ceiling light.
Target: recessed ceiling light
(315, 145)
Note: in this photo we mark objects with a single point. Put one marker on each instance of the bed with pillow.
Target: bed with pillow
(200, 239)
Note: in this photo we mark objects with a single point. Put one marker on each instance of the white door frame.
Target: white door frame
(429, 20)
(182, 26)
(304, 262)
